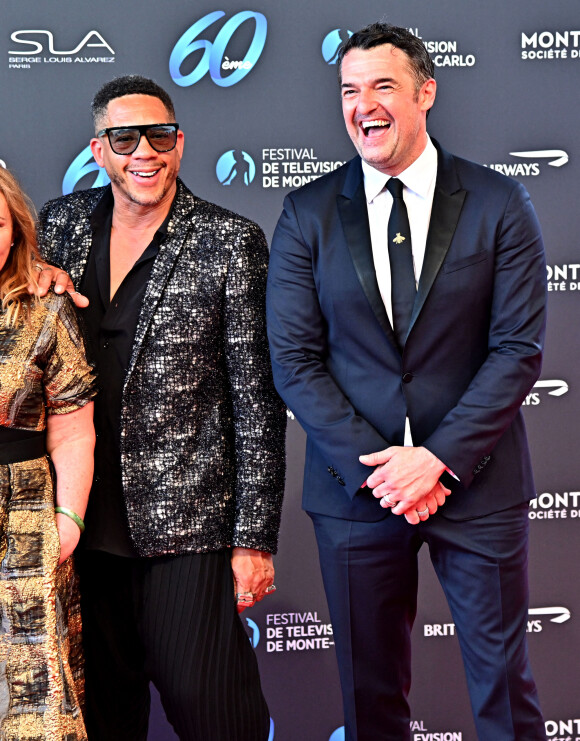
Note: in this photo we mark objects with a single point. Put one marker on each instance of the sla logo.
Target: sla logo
(338, 735)
(330, 46)
(214, 59)
(255, 637)
(81, 166)
(235, 164)
(24, 37)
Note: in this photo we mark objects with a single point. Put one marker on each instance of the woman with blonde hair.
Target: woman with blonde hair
(46, 468)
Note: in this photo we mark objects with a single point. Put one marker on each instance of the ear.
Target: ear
(427, 94)
(180, 142)
(97, 150)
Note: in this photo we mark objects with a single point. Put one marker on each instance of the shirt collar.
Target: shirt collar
(418, 177)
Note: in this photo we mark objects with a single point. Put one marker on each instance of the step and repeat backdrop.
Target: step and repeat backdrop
(256, 94)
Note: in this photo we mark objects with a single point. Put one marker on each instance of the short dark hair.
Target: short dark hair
(128, 85)
(377, 34)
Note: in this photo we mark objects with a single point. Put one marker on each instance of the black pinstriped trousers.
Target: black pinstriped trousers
(170, 620)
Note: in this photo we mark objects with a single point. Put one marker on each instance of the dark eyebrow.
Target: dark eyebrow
(378, 81)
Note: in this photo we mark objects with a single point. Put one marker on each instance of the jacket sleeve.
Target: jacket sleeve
(259, 414)
(471, 429)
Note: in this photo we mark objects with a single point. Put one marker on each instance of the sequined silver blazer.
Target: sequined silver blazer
(202, 428)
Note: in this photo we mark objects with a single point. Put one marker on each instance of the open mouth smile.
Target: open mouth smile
(144, 173)
(368, 127)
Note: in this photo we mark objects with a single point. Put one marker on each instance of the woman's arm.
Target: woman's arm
(70, 441)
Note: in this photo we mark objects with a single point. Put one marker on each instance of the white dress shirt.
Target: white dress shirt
(419, 181)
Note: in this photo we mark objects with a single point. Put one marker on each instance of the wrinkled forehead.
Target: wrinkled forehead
(384, 61)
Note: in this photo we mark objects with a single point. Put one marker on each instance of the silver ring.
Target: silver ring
(38, 267)
(270, 589)
(422, 512)
(245, 598)
(387, 501)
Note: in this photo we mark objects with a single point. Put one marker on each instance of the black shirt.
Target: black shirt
(110, 327)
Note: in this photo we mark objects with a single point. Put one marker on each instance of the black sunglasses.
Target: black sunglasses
(125, 139)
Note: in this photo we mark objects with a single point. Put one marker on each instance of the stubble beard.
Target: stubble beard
(153, 200)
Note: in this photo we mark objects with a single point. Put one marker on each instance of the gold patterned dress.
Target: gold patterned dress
(42, 370)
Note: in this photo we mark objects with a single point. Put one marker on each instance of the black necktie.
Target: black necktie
(403, 287)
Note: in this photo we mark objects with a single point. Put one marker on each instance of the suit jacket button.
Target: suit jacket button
(407, 377)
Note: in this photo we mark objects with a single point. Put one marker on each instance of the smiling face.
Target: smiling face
(384, 112)
(5, 231)
(145, 178)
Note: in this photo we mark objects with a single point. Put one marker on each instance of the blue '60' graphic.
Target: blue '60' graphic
(213, 60)
(83, 164)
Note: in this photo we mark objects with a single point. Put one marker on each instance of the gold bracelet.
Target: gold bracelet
(73, 515)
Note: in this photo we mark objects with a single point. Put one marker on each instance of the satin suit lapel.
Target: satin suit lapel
(447, 204)
(352, 208)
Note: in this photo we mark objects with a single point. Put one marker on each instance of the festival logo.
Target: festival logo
(297, 631)
(81, 166)
(332, 43)
(419, 732)
(255, 636)
(37, 46)
(445, 52)
(281, 167)
(292, 167)
(235, 166)
(213, 58)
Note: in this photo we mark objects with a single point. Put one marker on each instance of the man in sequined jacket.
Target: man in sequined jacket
(190, 453)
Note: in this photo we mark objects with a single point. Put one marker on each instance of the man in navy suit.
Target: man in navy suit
(412, 406)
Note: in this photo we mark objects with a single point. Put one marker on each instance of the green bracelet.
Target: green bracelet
(72, 515)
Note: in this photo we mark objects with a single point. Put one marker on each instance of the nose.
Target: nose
(367, 101)
(144, 149)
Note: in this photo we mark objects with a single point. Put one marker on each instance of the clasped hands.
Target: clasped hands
(409, 477)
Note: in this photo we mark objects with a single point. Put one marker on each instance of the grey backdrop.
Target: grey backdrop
(508, 83)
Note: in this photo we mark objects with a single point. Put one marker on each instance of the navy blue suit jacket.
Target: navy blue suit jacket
(472, 353)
